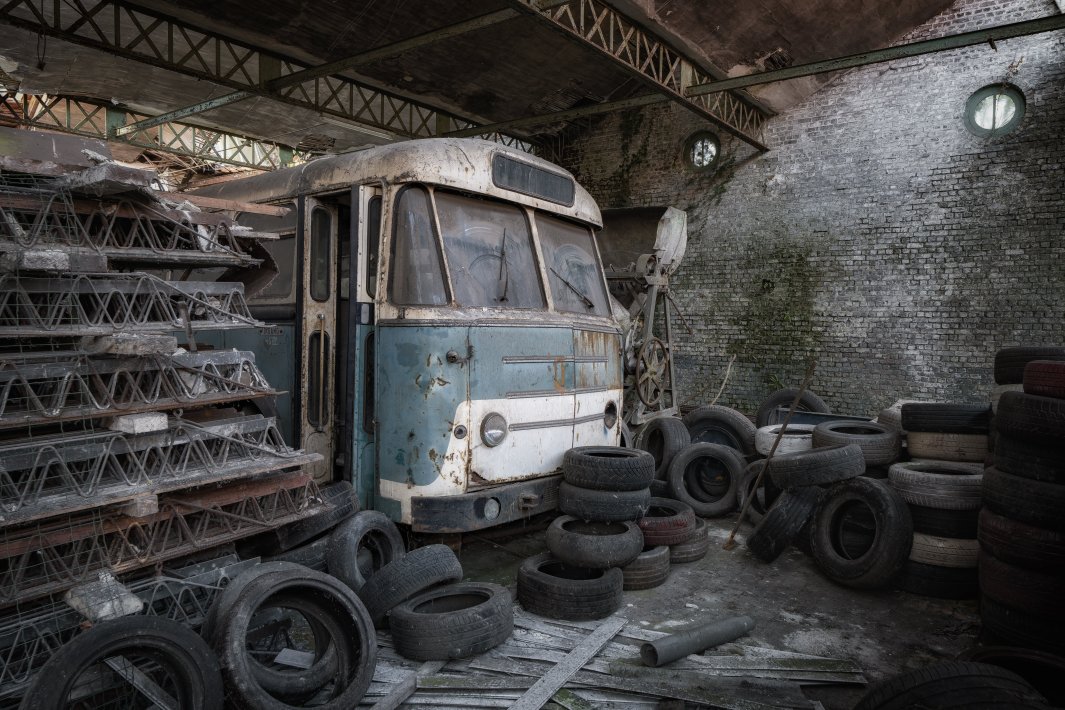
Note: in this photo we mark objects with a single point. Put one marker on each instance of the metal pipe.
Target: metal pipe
(675, 646)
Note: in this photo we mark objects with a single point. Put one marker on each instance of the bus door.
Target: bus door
(317, 321)
(355, 341)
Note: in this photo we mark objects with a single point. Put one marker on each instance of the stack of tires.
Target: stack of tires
(1022, 527)
(949, 443)
(604, 492)
(858, 530)
(672, 534)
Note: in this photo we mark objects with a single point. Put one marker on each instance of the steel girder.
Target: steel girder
(598, 25)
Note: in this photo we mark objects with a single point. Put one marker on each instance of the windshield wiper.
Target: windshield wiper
(580, 294)
(504, 267)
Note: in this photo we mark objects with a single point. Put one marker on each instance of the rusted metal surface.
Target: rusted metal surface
(51, 556)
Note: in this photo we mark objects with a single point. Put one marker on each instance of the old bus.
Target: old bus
(440, 324)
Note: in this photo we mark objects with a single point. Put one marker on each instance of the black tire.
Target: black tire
(1027, 459)
(361, 545)
(1032, 502)
(663, 438)
(694, 548)
(414, 573)
(1043, 671)
(650, 569)
(817, 467)
(1021, 544)
(707, 477)
(344, 503)
(593, 545)
(666, 522)
(764, 497)
(939, 582)
(608, 468)
(952, 685)
(660, 489)
(224, 599)
(862, 534)
(549, 587)
(602, 506)
(1032, 418)
(880, 445)
(714, 424)
(944, 551)
(1010, 362)
(809, 402)
(946, 418)
(190, 665)
(456, 621)
(334, 609)
(938, 484)
(1022, 628)
(311, 554)
(784, 522)
(971, 448)
(1034, 591)
(1045, 378)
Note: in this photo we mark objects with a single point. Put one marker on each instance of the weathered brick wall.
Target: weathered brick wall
(878, 235)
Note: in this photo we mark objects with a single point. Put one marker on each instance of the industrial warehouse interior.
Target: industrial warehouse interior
(569, 354)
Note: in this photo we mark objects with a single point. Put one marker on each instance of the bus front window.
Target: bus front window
(489, 253)
(417, 278)
(572, 269)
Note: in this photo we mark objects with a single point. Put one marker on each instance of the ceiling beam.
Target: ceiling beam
(562, 116)
(596, 24)
(272, 86)
(902, 51)
(149, 37)
(91, 118)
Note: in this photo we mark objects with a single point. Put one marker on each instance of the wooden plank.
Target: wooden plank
(402, 691)
(216, 203)
(554, 679)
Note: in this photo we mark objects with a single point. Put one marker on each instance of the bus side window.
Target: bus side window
(321, 244)
(373, 244)
(281, 288)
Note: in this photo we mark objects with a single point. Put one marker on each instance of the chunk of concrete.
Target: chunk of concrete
(143, 423)
(102, 599)
(131, 344)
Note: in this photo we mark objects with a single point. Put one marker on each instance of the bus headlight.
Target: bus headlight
(610, 415)
(493, 429)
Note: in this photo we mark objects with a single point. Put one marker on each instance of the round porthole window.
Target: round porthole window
(702, 150)
(994, 110)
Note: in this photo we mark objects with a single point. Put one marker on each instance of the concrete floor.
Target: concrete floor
(794, 606)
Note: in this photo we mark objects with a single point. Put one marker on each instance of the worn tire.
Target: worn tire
(1010, 362)
(650, 569)
(335, 609)
(694, 548)
(344, 503)
(1032, 502)
(663, 438)
(809, 402)
(891, 417)
(660, 489)
(952, 685)
(1043, 670)
(841, 545)
(963, 448)
(706, 477)
(192, 664)
(714, 424)
(666, 522)
(939, 582)
(945, 418)
(938, 484)
(880, 445)
(1021, 544)
(473, 617)
(817, 467)
(1032, 418)
(608, 468)
(361, 545)
(944, 551)
(549, 587)
(1034, 591)
(996, 395)
(763, 497)
(310, 554)
(602, 506)
(593, 545)
(1041, 462)
(417, 571)
(1022, 628)
(1045, 378)
(797, 437)
(958, 524)
(784, 522)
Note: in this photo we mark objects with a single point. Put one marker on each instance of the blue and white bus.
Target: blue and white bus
(441, 324)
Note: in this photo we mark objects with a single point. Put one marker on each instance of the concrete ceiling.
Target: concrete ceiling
(511, 70)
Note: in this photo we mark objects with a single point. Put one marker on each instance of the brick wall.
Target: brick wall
(878, 235)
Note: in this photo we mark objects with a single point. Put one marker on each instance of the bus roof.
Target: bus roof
(462, 163)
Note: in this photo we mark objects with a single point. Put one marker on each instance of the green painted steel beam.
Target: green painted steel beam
(877, 56)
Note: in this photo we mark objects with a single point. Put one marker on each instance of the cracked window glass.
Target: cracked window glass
(572, 267)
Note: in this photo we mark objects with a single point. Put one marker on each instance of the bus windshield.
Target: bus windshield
(572, 269)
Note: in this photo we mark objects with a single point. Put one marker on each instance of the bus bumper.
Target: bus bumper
(474, 511)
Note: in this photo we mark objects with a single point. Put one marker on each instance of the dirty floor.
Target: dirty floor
(794, 606)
